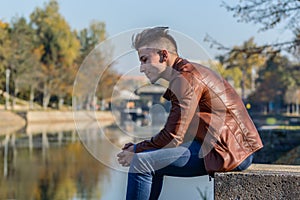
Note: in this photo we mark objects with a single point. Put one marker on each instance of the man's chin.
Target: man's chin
(152, 81)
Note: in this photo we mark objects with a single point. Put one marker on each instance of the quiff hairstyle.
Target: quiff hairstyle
(157, 37)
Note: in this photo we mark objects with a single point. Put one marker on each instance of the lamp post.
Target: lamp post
(7, 89)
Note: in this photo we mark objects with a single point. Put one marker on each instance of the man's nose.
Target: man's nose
(142, 68)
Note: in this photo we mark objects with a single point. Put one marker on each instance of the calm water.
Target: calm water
(55, 165)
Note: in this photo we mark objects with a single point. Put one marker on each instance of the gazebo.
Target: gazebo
(151, 92)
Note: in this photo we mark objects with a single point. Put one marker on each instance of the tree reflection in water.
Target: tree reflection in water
(65, 171)
(55, 165)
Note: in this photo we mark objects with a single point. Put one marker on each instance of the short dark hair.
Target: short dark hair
(157, 37)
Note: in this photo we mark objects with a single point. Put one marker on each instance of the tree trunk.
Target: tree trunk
(46, 96)
(15, 97)
(60, 102)
(46, 100)
(293, 109)
(88, 103)
(31, 97)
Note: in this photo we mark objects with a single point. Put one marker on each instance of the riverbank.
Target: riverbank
(11, 122)
(66, 116)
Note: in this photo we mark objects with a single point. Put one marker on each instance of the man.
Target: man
(208, 129)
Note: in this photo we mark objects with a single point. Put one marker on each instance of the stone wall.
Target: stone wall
(260, 181)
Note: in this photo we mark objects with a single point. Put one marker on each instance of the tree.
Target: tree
(96, 65)
(273, 82)
(292, 95)
(297, 51)
(24, 60)
(241, 67)
(292, 99)
(90, 37)
(269, 14)
(60, 48)
(5, 51)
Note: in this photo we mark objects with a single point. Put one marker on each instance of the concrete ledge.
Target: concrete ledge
(259, 181)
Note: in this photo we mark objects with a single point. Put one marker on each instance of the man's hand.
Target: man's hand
(127, 145)
(126, 155)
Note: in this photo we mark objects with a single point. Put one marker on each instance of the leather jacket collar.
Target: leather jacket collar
(182, 65)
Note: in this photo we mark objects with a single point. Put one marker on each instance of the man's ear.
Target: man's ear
(163, 56)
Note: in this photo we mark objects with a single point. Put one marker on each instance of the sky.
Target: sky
(194, 18)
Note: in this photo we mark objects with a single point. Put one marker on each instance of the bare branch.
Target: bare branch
(268, 13)
(263, 49)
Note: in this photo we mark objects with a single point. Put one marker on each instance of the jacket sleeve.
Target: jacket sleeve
(184, 103)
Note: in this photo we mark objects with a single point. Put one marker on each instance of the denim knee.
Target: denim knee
(139, 164)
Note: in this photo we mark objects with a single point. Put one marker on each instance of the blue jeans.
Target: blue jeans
(147, 169)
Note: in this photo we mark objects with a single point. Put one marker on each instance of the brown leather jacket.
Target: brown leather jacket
(206, 108)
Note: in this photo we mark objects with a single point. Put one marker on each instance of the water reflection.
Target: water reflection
(53, 164)
(50, 172)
